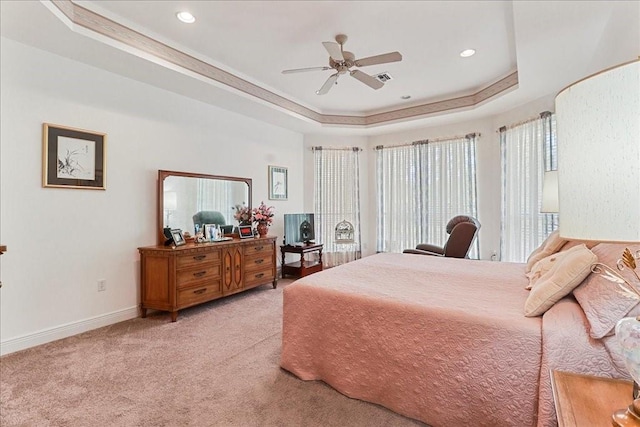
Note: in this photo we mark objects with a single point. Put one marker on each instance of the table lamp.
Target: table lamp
(598, 123)
(170, 203)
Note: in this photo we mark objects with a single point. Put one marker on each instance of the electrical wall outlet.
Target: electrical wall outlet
(102, 285)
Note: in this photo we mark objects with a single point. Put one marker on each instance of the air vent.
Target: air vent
(383, 77)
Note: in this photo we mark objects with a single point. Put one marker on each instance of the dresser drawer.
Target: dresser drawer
(258, 276)
(258, 261)
(193, 276)
(199, 294)
(258, 248)
(192, 260)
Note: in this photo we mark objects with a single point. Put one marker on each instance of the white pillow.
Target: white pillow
(568, 271)
(552, 244)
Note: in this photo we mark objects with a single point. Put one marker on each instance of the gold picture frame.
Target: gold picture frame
(73, 158)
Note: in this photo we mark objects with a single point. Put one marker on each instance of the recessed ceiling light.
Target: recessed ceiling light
(186, 17)
(467, 53)
(406, 97)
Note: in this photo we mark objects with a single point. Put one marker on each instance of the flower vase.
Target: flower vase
(262, 229)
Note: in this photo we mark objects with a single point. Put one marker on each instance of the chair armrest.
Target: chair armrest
(430, 248)
(419, 252)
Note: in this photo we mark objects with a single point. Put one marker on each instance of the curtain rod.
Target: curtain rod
(429, 141)
(320, 148)
(543, 115)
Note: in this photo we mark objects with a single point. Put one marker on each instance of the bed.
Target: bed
(440, 340)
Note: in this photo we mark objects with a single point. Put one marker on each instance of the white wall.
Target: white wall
(62, 241)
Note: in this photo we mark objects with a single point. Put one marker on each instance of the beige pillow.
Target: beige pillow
(541, 268)
(568, 271)
(550, 246)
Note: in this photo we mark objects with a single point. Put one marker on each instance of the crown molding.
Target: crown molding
(144, 46)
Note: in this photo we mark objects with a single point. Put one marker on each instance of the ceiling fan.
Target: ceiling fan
(341, 61)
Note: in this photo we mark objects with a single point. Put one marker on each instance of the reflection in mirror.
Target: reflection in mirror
(189, 199)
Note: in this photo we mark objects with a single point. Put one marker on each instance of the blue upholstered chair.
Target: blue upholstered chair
(208, 217)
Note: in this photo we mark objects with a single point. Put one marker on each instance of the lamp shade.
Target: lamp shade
(550, 192)
(598, 123)
(170, 201)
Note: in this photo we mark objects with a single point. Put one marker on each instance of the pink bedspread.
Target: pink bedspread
(568, 347)
(440, 340)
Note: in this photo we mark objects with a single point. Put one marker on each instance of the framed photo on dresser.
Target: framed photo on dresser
(245, 231)
(178, 237)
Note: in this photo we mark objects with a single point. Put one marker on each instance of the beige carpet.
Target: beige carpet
(218, 365)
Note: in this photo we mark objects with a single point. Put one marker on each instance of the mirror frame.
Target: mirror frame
(163, 174)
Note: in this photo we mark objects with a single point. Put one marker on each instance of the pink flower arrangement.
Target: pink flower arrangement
(263, 214)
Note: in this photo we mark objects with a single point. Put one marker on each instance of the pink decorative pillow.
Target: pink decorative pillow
(550, 246)
(567, 272)
(603, 301)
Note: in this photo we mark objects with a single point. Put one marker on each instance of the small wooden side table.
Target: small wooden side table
(585, 400)
(303, 267)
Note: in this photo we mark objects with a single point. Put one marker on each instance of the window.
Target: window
(420, 187)
(528, 149)
(337, 201)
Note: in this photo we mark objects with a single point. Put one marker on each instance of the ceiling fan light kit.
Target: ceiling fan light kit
(342, 61)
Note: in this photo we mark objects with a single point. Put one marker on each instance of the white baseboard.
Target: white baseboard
(64, 331)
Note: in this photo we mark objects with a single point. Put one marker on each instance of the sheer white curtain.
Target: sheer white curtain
(528, 149)
(336, 199)
(420, 188)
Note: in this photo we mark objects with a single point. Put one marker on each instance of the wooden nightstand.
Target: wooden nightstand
(301, 268)
(585, 400)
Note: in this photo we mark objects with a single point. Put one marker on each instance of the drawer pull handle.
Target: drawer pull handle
(200, 273)
(259, 261)
(200, 291)
(259, 248)
(259, 275)
(199, 257)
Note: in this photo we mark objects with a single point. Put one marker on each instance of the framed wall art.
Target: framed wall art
(73, 158)
(278, 185)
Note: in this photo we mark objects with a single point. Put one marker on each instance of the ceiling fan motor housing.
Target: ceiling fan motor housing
(349, 61)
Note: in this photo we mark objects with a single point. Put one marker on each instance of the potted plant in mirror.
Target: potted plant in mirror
(263, 216)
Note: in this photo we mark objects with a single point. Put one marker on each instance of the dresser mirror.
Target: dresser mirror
(210, 198)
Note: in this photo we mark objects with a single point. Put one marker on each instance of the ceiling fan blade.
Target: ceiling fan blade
(379, 59)
(301, 70)
(327, 85)
(334, 49)
(367, 79)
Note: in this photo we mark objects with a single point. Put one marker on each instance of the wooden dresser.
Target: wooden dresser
(173, 278)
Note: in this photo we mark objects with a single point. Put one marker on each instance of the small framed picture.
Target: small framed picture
(278, 188)
(178, 237)
(73, 158)
(245, 231)
(210, 232)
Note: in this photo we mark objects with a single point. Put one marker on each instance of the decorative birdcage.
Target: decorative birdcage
(344, 232)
